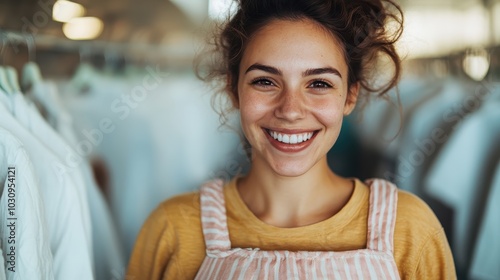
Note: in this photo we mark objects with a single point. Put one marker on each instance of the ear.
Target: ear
(352, 98)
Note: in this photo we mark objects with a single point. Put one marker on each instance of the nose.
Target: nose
(291, 106)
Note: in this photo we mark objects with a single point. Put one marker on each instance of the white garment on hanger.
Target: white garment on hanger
(461, 172)
(382, 118)
(426, 131)
(31, 120)
(2, 268)
(46, 97)
(413, 93)
(486, 257)
(66, 222)
(108, 253)
(23, 233)
(126, 150)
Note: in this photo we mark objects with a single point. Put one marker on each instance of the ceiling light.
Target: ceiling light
(64, 11)
(476, 64)
(83, 28)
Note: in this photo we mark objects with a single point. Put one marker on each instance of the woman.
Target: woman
(294, 69)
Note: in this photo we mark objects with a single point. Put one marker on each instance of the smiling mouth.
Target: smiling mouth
(291, 138)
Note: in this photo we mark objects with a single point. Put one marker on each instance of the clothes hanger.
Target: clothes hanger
(84, 74)
(12, 79)
(31, 75)
(31, 72)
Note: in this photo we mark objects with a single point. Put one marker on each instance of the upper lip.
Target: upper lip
(291, 131)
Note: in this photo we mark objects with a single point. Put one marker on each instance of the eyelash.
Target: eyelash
(258, 82)
(325, 84)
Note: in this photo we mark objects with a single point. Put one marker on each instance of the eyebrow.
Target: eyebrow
(319, 71)
(308, 72)
(265, 68)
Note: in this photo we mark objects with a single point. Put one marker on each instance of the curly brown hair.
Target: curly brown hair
(367, 29)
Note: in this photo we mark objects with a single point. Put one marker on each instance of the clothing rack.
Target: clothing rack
(452, 64)
(134, 52)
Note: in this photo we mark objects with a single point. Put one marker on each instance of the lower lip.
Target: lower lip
(289, 148)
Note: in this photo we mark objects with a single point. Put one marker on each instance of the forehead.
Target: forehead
(304, 43)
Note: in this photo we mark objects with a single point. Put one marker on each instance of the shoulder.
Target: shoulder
(185, 202)
(178, 213)
(420, 244)
(414, 212)
(171, 240)
(175, 218)
(178, 208)
(416, 223)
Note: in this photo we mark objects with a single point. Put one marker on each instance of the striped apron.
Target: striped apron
(374, 262)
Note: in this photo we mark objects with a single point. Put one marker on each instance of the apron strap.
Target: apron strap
(213, 217)
(382, 215)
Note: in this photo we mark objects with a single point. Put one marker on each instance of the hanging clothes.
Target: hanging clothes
(29, 118)
(166, 140)
(67, 224)
(108, 253)
(45, 96)
(127, 150)
(381, 128)
(24, 234)
(426, 131)
(486, 257)
(462, 172)
(2, 268)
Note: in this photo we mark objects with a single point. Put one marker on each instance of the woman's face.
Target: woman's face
(293, 94)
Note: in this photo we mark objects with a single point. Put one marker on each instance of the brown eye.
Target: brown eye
(320, 84)
(262, 82)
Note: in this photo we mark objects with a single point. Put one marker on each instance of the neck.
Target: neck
(294, 201)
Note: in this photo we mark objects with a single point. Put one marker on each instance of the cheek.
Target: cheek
(253, 105)
(330, 113)
(252, 108)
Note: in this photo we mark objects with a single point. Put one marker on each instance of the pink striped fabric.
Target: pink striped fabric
(374, 262)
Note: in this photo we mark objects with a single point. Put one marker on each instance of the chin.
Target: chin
(290, 170)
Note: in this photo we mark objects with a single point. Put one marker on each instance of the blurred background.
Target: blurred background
(115, 80)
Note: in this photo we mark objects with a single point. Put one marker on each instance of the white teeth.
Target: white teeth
(291, 138)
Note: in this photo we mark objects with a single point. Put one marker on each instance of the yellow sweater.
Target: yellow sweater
(171, 246)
